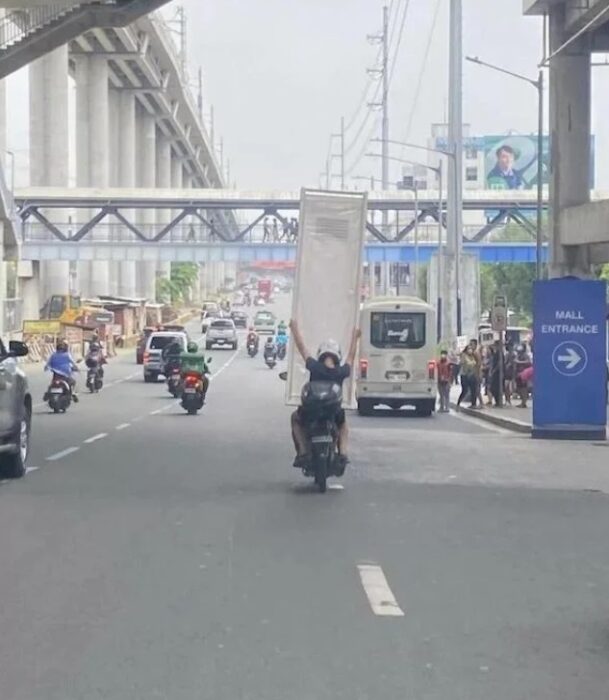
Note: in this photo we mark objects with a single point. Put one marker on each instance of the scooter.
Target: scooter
(252, 349)
(59, 394)
(174, 381)
(193, 397)
(281, 351)
(270, 360)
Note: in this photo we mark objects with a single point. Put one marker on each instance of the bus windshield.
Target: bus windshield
(404, 331)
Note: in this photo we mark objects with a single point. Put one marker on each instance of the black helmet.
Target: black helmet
(62, 346)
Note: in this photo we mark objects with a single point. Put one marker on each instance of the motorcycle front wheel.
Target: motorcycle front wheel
(320, 462)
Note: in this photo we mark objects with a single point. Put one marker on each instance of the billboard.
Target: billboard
(508, 161)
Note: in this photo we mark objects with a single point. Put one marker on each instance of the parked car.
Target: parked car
(240, 319)
(222, 332)
(264, 322)
(153, 354)
(141, 344)
(207, 318)
(15, 411)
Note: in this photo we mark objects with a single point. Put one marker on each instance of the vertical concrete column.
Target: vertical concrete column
(126, 177)
(113, 179)
(570, 130)
(146, 177)
(49, 155)
(163, 181)
(93, 147)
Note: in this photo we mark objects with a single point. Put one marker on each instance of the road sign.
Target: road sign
(570, 362)
(499, 314)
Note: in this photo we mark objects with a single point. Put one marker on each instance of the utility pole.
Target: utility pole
(383, 73)
(200, 95)
(183, 38)
(455, 169)
(342, 153)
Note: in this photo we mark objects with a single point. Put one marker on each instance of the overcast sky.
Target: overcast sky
(280, 75)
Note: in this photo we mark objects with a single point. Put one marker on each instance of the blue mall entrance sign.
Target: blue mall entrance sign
(570, 380)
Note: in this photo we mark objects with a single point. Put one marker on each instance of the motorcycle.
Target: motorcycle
(320, 403)
(174, 381)
(252, 348)
(95, 375)
(59, 394)
(281, 351)
(193, 397)
(270, 360)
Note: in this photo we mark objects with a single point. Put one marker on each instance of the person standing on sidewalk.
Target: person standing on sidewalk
(453, 359)
(469, 376)
(445, 377)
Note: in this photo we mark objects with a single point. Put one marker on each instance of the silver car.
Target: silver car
(221, 332)
(153, 354)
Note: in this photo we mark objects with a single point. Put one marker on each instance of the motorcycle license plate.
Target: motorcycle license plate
(56, 391)
(190, 391)
(321, 439)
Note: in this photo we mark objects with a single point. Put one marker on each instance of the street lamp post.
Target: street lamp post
(439, 267)
(539, 86)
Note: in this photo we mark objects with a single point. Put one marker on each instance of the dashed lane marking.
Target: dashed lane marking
(29, 470)
(156, 413)
(122, 426)
(62, 454)
(95, 438)
(379, 594)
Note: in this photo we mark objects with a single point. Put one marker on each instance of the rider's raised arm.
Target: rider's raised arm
(353, 347)
(298, 340)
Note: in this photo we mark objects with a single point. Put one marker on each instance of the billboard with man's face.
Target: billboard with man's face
(510, 162)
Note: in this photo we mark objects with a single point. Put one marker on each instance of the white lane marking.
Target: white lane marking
(480, 423)
(122, 426)
(95, 438)
(227, 364)
(29, 470)
(335, 487)
(137, 419)
(381, 599)
(62, 454)
(156, 413)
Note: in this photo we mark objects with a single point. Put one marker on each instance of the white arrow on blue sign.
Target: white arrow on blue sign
(569, 358)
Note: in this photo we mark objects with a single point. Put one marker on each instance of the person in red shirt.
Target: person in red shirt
(445, 378)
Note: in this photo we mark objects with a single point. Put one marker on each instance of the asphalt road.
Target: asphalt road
(157, 555)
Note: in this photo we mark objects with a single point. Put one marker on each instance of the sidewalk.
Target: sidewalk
(519, 420)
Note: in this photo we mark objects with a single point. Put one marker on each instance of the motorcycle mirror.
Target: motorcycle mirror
(283, 376)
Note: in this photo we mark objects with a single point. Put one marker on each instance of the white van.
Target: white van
(397, 364)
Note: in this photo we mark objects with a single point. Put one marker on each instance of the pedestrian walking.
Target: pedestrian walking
(445, 377)
(469, 376)
(266, 228)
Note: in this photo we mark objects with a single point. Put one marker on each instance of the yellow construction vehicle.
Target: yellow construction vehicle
(67, 309)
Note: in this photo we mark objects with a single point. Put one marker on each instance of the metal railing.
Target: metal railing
(19, 24)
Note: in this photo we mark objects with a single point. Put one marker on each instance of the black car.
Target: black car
(240, 319)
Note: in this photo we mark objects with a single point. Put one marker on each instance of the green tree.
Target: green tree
(178, 287)
(515, 281)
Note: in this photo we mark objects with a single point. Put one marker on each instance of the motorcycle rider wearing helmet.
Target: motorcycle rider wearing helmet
(95, 357)
(62, 363)
(252, 337)
(171, 356)
(193, 362)
(270, 348)
(326, 368)
(282, 328)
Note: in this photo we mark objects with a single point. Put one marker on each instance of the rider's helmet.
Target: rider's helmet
(192, 346)
(94, 346)
(62, 346)
(270, 340)
(329, 349)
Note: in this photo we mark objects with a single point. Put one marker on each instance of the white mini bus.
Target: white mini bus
(397, 364)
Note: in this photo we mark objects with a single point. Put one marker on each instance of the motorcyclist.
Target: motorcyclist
(282, 336)
(171, 356)
(270, 348)
(326, 368)
(95, 357)
(62, 364)
(193, 362)
(282, 328)
(252, 337)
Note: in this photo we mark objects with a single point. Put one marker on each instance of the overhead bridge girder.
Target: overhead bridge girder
(66, 26)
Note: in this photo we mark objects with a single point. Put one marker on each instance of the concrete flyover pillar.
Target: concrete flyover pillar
(126, 177)
(146, 177)
(49, 158)
(93, 147)
(570, 131)
(163, 181)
